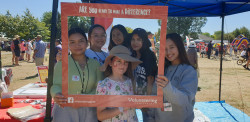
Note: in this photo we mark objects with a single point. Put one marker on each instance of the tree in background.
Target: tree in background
(194, 35)
(212, 36)
(31, 27)
(26, 26)
(206, 34)
(130, 30)
(217, 35)
(47, 17)
(9, 25)
(185, 25)
(229, 36)
(81, 22)
(245, 32)
(236, 32)
(73, 21)
(232, 35)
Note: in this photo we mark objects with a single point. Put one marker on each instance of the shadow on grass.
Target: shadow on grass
(31, 62)
(8, 66)
(30, 77)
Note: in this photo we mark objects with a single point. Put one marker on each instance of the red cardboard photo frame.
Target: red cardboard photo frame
(112, 11)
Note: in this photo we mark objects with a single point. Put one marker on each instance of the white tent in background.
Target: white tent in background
(2, 38)
(219, 41)
(198, 40)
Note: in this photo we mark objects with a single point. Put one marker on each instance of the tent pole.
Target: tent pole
(51, 59)
(221, 54)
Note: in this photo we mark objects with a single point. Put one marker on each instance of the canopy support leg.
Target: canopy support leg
(221, 54)
(51, 59)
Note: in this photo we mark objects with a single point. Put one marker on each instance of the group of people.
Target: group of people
(208, 50)
(129, 68)
(21, 48)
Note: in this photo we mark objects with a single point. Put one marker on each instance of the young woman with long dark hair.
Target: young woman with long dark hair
(118, 36)
(144, 74)
(179, 84)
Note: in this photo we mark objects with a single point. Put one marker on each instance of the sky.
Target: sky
(38, 7)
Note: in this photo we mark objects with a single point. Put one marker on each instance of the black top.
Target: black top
(16, 42)
(210, 46)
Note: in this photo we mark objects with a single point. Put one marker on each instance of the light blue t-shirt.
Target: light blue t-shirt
(40, 47)
(98, 56)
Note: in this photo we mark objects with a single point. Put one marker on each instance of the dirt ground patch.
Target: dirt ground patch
(235, 83)
(235, 80)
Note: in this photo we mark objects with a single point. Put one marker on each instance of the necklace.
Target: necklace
(82, 65)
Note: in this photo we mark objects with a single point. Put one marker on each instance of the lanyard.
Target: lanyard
(174, 73)
(82, 78)
(100, 57)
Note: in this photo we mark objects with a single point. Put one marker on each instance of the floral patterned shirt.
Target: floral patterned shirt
(111, 87)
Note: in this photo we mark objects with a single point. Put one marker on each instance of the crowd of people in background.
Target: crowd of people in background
(128, 68)
(214, 51)
(22, 50)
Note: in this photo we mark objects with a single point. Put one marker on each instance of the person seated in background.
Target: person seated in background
(243, 53)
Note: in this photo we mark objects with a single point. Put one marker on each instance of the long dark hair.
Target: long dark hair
(124, 33)
(176, 38)
(147, 56)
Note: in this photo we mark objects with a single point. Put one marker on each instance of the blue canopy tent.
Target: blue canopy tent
(177, 8)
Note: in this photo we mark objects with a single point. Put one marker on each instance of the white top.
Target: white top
(243, 53)
(112, 87)
(98, 56)
(29, 46)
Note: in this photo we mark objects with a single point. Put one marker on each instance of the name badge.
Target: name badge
(75, 78)
(167, 106)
